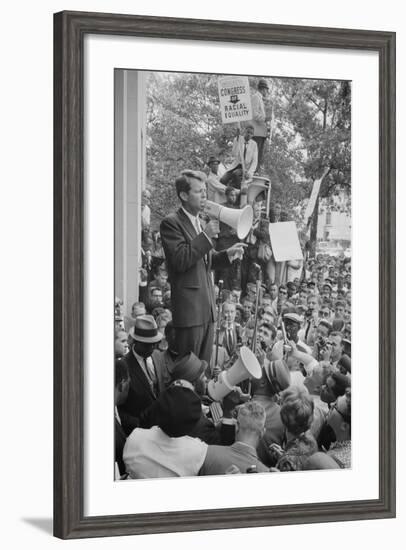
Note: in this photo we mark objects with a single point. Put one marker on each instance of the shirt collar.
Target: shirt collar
(190, 216)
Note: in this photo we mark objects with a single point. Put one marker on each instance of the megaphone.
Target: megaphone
(246, 366)
(257, 186)
(238, 219)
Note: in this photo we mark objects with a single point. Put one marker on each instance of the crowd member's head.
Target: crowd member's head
(292, 323)
(273, 291)
(170, 337)
(335, 386)
(213, 163)
(336, 345)
(144, 336)
(297, 409)
(323, 329)
(191, 369)
(326, 290)
(229, 310)
(191, 190)
(162, 320)
(238, 314)
(138, 308)
(155, 297)
(121, 382)
(344, 364)
(312, 305)
(325, 312)
(161, 275)
(247, 306)
(266, 335)
(157, 311)
(282, 294)
(268, 315)
(303, 294)
(266, 300)
(263, 88)
(231, 196)
(339, 309)
(178, 411)
(276, 212)
(291, 288)
(120, 343)
(248, 333)
(339, 418)
(297, 453)
(251, 418)
(249, 132)
(275, 378)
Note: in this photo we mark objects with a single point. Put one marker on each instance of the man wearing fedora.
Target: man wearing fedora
(144, 380)
(215, 189)
(190, 258)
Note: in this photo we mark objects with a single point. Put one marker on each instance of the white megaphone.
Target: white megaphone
(238, 219)
(246, 366)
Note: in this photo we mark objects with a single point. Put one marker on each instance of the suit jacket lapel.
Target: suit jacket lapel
(188, 226)
(138, 373)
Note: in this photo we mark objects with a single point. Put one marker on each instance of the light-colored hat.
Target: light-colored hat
(292, 317)
(145, 330)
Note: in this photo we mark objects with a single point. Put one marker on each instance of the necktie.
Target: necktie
(150, 373)
(245, 149)
(197, 226)
(229, 340)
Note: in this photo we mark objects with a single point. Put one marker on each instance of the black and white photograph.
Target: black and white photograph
(232, 274)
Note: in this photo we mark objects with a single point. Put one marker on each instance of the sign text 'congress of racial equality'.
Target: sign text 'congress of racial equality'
(235, 99)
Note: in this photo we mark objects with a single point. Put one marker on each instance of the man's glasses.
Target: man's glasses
(324, 313)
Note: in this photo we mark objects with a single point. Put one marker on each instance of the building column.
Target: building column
(129, 181)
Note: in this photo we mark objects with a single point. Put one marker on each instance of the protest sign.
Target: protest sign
(235, 99)
(285, 241)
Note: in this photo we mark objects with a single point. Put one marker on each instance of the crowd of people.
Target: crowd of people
(186, 329)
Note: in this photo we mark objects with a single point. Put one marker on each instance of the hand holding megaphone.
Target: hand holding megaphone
(212, 228)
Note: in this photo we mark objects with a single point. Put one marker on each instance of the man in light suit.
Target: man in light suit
(190, 257)
(245, 159)
(259, 118)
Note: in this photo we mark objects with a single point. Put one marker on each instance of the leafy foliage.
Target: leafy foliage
(310, 131)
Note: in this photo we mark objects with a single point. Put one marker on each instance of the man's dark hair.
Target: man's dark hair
(121, 373)
(337, 333)
(326, 324)
(229, 189)
(269, 327)
(341, 383)
(249, 126)
(183, 182)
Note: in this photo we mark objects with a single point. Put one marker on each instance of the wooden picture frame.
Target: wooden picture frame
(69, 31)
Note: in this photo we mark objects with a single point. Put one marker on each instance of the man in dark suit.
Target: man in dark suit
(230, 331)
(144, 380)
(190, 257)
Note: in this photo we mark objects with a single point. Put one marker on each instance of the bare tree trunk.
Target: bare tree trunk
(313, 229)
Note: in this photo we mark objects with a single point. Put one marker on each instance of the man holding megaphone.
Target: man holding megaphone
(190, 257)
